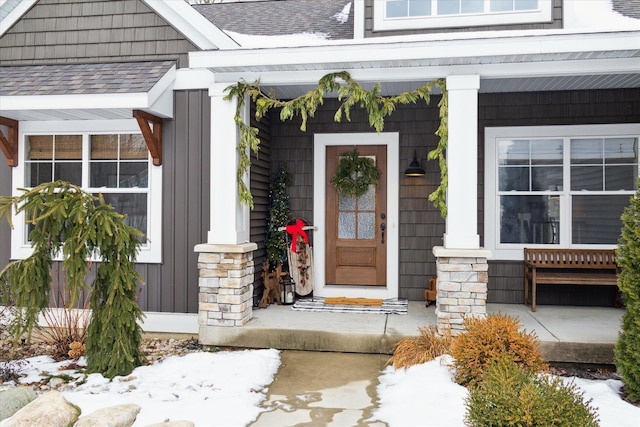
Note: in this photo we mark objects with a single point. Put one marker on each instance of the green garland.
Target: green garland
(350, 93)
(355, 174)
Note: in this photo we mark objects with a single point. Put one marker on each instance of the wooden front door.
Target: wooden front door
(356, 252)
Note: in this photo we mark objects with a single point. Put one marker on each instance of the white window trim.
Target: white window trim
(491, 208)
(150, 252)
(381, 23)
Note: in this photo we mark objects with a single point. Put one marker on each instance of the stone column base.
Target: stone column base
(226, 284)
(461, 288)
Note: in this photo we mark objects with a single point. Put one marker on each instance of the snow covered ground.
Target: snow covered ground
(226, 389)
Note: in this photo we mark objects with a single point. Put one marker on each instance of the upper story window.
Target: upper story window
(558, 186)
(416, 14)
(112, 160)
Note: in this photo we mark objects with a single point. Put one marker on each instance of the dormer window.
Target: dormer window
(416, 14)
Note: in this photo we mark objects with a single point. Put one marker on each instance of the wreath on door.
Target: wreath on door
(355, 174)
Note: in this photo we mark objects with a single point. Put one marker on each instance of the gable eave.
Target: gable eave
(13, 15)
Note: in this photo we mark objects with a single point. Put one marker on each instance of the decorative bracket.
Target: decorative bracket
(153, 138)
(9, 145)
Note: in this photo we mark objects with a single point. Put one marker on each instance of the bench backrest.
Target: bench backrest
(570, 258)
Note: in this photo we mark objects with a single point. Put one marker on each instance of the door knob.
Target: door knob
(383, 227)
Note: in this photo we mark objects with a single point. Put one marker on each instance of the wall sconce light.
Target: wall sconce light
(414, 167)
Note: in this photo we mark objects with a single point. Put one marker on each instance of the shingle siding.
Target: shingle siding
(82, 31)
(369, 30)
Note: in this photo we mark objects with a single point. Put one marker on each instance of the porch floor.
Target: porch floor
(566, 333)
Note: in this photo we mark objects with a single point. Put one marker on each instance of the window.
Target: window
(416, 14)
(563, 186)
(111, 159)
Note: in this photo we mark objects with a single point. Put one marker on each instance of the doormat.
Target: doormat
(388, 306)
(354, 301)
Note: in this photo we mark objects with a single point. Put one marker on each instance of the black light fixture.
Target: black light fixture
(414, 167)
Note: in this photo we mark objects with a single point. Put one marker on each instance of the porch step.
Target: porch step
(566, 334)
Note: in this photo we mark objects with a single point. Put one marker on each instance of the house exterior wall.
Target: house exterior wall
(84, 31)
(5, 231)
(421, 227)
(369, 30)
(542, 109)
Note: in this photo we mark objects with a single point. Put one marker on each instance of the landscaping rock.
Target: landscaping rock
(14, 399)
(113, 416)
(49, 410)
(173, 424)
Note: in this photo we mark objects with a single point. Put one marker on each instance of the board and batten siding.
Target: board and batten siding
(85, 31)
(369, 32)
(546, 109)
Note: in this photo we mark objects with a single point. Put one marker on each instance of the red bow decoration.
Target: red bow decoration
(296, 230)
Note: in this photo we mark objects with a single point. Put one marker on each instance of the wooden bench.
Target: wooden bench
(567, 267)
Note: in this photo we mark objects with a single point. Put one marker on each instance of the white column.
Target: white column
(462, 162)
(229, 220)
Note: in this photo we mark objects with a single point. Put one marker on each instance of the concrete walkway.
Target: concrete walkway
(566, 334)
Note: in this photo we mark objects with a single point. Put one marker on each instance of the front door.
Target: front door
(356, 228)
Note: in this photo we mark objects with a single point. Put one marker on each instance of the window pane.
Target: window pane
(546, 151)
(586, 151)
(132, 205)
(513, 179)
(501, 5)
(68, 147)
(472, 6)
(513, 152)
(448, 7)
(103, 174)
(526, 5)
(366, 225)
(397, 8)
(591, 224)
(132, 146)
(38, 173)
(133, 174)
(544, 178)
(104, 147)
(530, 219)
(346, 225)
(419, 7)
(622, 177)
(39, 147)
(621, 150)
(67, 171)
(586, 178)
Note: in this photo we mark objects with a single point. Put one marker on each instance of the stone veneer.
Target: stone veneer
(463, 275)
(226, 284)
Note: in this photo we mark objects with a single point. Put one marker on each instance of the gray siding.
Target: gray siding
(260, 182)
(82, 31)
(541, 109)
(173, 285)
(369, 32)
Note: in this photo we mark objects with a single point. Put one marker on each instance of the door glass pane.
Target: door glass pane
(368, 200)
(530, 219)
(346, 225)
(591, 224)
(366, 225)
(346, 202)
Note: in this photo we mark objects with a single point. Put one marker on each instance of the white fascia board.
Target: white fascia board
(85, 101)
(195, 27)
(12, 17)
(400, 74)
(368, 53)
(187, 79)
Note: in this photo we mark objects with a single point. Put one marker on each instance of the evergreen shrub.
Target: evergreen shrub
(510, 395)
(488, 339)
(627, 349)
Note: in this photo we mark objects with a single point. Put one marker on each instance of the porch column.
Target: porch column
(225, 262)
(462, 267)
(462, 163)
